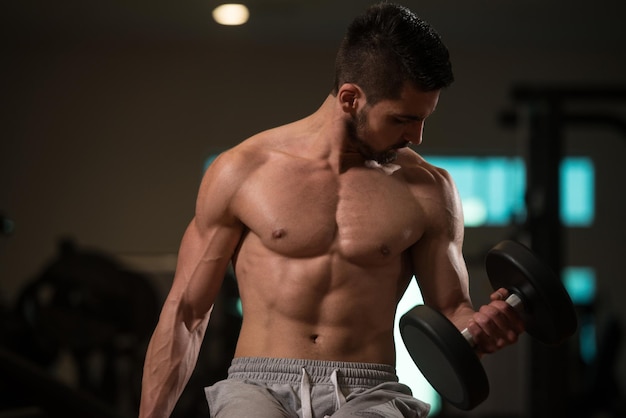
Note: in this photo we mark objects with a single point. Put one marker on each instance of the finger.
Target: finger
(506, 318)
(509, 317)
(516, 321)
(484, 333)
(482, 342)
(497, 324)
(492, 320)
(500, 294)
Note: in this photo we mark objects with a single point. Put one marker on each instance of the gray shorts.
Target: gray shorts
(268, 388)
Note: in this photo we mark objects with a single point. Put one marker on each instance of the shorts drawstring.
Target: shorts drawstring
(305, 393)
(341, 399)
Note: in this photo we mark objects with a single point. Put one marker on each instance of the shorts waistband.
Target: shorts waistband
(287, 370)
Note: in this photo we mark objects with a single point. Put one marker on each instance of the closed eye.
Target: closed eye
(403, 121)
(407, 119)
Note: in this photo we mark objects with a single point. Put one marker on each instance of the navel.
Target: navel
(278, 233)
(314, 338)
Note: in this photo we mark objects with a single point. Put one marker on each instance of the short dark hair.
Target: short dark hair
(388, 46)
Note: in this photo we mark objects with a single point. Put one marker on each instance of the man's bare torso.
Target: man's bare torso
(324, 256)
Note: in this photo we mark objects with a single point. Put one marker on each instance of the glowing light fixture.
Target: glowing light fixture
(231, 14)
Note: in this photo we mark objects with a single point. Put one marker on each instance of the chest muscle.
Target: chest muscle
(362, 214)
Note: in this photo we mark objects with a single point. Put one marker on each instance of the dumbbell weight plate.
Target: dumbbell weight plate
(548, 312)
(444, 357)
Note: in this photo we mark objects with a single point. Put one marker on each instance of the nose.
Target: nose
(413, 132)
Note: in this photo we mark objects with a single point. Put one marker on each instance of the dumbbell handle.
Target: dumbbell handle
(513, 300)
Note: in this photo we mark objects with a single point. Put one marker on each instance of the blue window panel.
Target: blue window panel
(580, 283)
(587, 339)
(577, 191)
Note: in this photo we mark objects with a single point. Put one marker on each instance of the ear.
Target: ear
(350, 97)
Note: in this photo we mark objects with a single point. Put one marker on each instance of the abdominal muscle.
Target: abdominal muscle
(322, 308)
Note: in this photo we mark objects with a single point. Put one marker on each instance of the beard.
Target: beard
(357, 129)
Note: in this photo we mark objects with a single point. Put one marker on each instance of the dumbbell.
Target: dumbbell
(447, 358)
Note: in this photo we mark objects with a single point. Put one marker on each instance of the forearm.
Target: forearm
(170, 360)
(460, 315)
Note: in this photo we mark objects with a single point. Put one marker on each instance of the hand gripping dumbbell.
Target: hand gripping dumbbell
(446, 357)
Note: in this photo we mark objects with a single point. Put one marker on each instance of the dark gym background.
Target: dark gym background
(109, 110)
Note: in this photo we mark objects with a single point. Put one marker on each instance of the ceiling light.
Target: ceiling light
(231, 14)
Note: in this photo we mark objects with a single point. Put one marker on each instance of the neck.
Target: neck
(329, 138)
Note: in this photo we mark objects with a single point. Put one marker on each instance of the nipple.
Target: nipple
(278, 233)
(384, 250)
